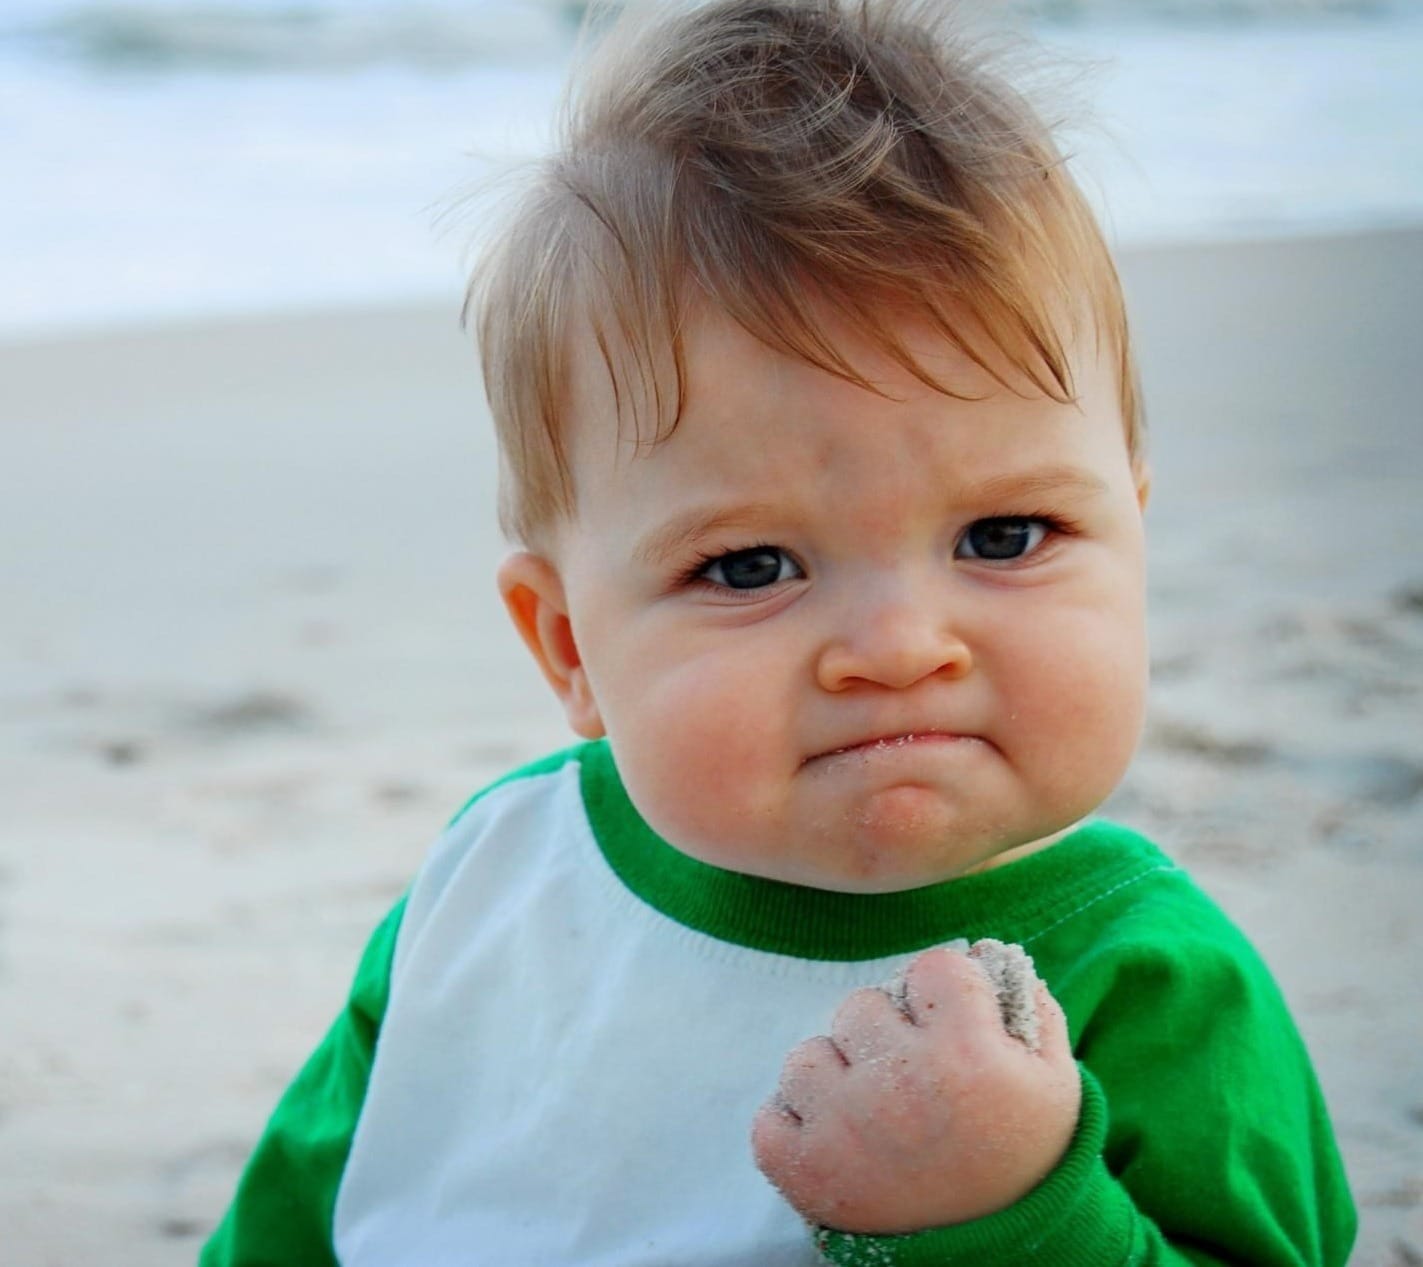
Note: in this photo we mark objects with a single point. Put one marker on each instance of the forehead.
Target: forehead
(741, 400)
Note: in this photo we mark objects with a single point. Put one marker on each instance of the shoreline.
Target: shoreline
(429, 300)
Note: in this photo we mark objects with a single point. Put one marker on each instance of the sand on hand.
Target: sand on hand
(1010, 971)
(1015, 982)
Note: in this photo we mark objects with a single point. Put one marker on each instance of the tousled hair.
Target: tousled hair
(783, 160)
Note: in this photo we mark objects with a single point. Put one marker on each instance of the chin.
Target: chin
(862, 869)
(914, 823)
(912, 838)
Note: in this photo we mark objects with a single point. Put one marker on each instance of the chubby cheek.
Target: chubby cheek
(699, 751)
(1075, 703)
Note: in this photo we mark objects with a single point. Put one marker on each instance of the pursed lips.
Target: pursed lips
(890, 743)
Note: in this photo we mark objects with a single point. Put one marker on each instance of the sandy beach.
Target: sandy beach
(251, 658)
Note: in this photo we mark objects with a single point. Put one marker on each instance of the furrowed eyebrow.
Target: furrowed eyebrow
(690, 526)
(1070, 481)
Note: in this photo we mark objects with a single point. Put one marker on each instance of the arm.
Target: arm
(282, 1213)
(1217, 1129)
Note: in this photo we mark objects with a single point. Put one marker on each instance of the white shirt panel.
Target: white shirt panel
(566, 1076)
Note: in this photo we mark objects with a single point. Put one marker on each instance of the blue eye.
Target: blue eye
(1001, 540)
(751, 569)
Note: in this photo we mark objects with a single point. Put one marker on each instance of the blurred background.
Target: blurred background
(251, 657)
(177, 157)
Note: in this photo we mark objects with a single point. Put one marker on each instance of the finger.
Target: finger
(781, 1149)
(944, 987)
(808, 1076)
(775, 1139)
(868, 1023)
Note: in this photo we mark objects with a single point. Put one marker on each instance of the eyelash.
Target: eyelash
(692, 574)
(1058, 525)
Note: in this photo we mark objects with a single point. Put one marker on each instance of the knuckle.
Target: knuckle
(944, 961)
(797, 1058)
(865, 1006)
(942, 974)
(866, 997)
(806, 1074)
(810, 1055)
(923, 969)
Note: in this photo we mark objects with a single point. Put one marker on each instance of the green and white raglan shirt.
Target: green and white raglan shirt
(555, 1045)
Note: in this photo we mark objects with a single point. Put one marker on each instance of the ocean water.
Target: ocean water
(165, 159)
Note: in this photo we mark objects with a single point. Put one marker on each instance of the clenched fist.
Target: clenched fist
(940, 1099)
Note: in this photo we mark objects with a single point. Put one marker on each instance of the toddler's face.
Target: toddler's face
(853, 641)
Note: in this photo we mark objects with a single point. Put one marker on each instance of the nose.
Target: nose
(893, 640)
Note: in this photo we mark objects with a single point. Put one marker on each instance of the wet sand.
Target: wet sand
(251, 658)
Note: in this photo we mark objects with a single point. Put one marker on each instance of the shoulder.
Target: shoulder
(523, 777)
(500, 838)
(1208, 1083)
(1167, 999)
(1109, 893)
(1144, 938)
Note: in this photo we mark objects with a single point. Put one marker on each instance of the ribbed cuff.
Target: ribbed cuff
(1079, 1216)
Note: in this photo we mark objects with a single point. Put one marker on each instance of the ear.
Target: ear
(533, 593)
(1141, 469)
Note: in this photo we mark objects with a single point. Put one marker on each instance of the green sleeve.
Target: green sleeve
(281, 1215)
(1203, 1137)
(1079, 1216)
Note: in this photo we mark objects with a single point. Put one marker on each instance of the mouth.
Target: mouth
(889, 744)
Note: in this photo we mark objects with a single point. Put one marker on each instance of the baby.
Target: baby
(824, 457)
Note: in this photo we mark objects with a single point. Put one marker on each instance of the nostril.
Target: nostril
(895, 659)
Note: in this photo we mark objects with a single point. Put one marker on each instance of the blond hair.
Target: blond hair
(784, 160)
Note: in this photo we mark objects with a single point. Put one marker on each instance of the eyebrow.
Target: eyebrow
(1071, 481)
(689, 526)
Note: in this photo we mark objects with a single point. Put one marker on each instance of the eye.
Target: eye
(1001, 540)
(750, 569)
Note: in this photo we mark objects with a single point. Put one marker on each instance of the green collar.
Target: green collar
(1010, 902)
